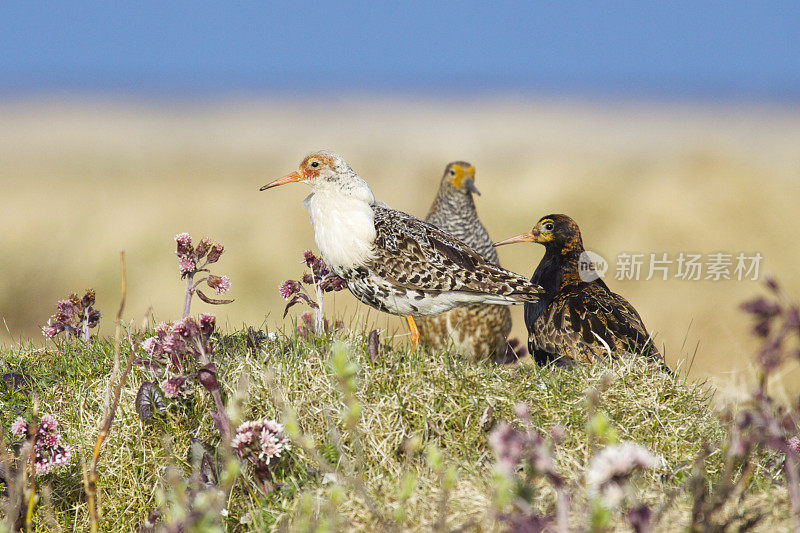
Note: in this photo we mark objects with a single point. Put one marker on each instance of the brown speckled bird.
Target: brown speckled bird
(476, 331)
(577, 320)
(393, 261)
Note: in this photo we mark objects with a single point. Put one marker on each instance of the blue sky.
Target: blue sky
(630, 48)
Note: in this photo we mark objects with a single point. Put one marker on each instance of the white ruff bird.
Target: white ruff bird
(393, 261)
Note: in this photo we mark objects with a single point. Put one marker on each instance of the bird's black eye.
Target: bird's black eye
(315, 164)
(548, 226)
(452, 172)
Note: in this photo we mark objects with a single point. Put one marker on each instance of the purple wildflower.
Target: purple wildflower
(181, 340)
(507, 444)
(303, 332)
(88, 298)
(220, 284)
(761, 307)
(65, 311)
(92, 317)
(173, 345)
(320, 280)
(19, 427)
(180, 327)
(49, 458)
(512, 447)
(612, 466)
(73, 315)
(261, 441)
(185, 328)
(616, 462)
(337, 283)
(51, 330)
(174, 387)
(186, 265)
(48, 423)
(202, 248)
(289, 288)
(184, 241)
(207, 323)
(190, 262)
(49, 451)
(794, 445)
(215, 253)
(150, 345)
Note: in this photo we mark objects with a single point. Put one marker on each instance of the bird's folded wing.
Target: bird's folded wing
(418, 255)
(579, 318)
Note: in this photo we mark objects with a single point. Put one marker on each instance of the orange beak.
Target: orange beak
(523, 237)
(288, 178)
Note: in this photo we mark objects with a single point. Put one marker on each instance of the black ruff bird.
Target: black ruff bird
(477, 331)
(576, 320)
(390, 260)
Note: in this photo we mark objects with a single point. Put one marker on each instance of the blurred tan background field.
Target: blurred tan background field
(83, 179)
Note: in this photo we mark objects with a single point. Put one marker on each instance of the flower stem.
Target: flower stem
(319, 317)
(85, 326)
(199, 281)
(187, 300)
(222, 421)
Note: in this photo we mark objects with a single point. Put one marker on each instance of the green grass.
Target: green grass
(432, 400)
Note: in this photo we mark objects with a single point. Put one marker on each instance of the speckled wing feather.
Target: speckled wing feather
(573, 321)
(417, 255)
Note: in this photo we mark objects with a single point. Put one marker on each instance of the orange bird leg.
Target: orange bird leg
(414, 331)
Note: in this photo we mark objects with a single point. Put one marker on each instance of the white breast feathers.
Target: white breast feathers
(344, 227)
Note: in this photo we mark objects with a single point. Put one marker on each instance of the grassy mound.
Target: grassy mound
(395, 442)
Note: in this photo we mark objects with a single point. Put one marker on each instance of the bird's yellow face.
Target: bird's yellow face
(542, 232)
(458, 173)
(461, 176)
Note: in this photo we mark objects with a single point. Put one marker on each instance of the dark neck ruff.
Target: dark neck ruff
(557, 269)
(549, 272)
(548, 275)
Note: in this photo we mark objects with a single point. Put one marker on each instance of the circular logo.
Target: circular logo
(591, 266)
